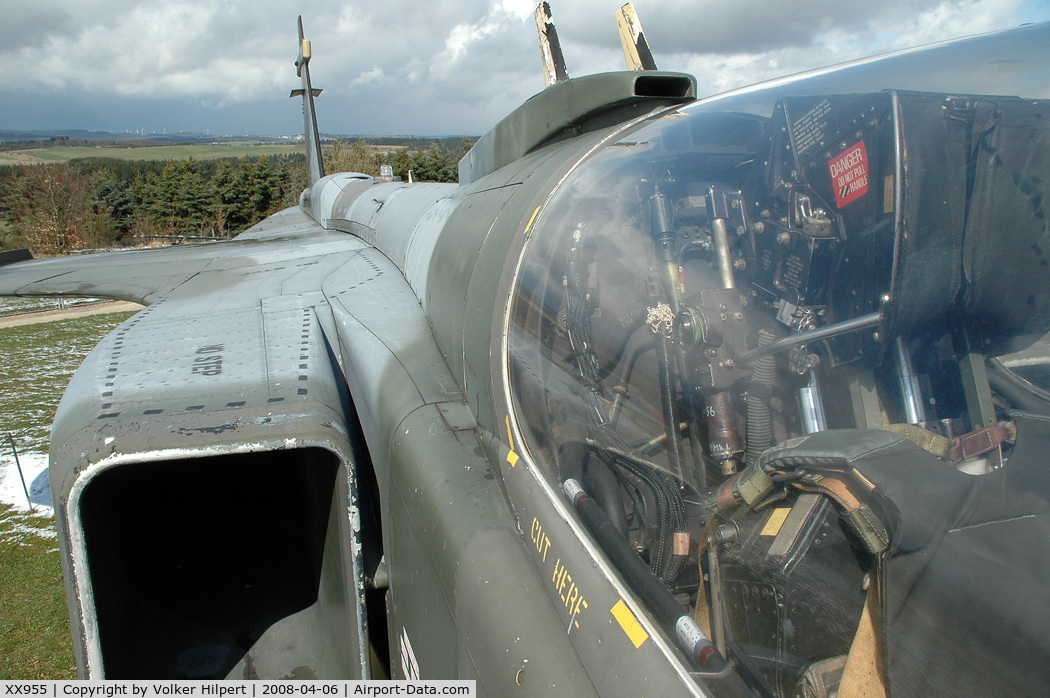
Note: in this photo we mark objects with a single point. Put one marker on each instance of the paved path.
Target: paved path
(34, 317)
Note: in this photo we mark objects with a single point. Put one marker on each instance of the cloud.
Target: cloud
(31, 25)
(152, 49)
(851, 37)
(439, 67)
(372, 76)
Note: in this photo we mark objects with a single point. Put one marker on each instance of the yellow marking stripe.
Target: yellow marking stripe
(888, 193)
(776, 521)
(512, 457)
(635, 632)
(531, 220)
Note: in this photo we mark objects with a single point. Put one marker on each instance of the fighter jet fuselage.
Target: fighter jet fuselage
(665, 396)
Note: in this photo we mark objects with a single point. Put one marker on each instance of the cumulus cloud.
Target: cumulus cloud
(856, 35)
(31, 25)
(368, 77)
(407, 67)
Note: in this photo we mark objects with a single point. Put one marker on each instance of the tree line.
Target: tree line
(98, 203)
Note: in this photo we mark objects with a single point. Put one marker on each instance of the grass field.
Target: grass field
(34, 622)
(36, 156)
(36, 362)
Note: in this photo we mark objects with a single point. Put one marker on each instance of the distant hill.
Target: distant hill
(9, 136)
(17, 140)
(20, 139)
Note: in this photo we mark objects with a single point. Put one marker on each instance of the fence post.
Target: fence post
(22, 477)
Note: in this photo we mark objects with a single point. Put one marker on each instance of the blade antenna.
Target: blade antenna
(314, 163)
(635, 47)
(550, 48)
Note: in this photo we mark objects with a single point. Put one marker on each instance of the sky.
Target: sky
(410, 67)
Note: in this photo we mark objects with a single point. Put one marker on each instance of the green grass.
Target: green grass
(35, 641)
(160, 152)
(36, 363)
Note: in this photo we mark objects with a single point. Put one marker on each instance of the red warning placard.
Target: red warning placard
(849, 174)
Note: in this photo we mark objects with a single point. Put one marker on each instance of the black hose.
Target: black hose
(676, 621)
(571, 457)
(639, 342)
(670, 506)
(603, 483)
(578, 325)
(653, 593)
(669, 403)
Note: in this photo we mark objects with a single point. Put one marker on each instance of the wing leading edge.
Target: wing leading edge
(146, 276)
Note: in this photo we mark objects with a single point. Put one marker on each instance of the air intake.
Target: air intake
(665, 86)
(571, 108)
(196, 564)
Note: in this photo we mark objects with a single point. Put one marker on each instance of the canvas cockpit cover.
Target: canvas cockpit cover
(962, 584)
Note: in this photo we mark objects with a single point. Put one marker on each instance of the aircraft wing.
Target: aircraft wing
(145, 276)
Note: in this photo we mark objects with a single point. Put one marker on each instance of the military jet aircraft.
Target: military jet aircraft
(667, 396)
